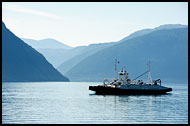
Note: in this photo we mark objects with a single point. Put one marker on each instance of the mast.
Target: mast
(115, 72)
(149, 74)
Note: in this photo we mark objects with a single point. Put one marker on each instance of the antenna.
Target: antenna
(149, 74)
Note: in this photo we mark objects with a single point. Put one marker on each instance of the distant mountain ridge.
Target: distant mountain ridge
(57, 55)
(147, 31)
(54, 51)
(47, 43)
(22, 63)
(68, 64)
(65, 58)
(84, 52)
(167, 49)
(71, 61)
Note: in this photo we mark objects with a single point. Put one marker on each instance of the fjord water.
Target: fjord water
(72, 102)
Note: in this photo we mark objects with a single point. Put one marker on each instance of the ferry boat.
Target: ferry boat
(124, 85)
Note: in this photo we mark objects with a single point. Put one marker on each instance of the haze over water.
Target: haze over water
(72, 102)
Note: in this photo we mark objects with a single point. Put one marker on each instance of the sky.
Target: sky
(84, 23)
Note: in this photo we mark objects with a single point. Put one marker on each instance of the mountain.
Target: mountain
(46, 44)
(57, 55)
(167, 50)
(93, 48)
(84, 52)
(54, 51)
(22, 63)
(170, 26)
(147, 31)
(64, 57)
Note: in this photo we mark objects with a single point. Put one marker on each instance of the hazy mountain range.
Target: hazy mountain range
(85, 52)
(167, 49)
(46, 44)
(20, 62)
(146, 31)
(65, 57)
(59, 53)
(74, 69)
(165, 46)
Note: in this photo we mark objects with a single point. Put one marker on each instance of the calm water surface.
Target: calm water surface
(72, 102)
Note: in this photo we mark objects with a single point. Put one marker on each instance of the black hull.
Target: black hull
(115, 91)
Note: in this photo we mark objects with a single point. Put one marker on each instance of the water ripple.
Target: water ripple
(72, 102)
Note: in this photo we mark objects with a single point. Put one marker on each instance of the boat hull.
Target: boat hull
(111, 91)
